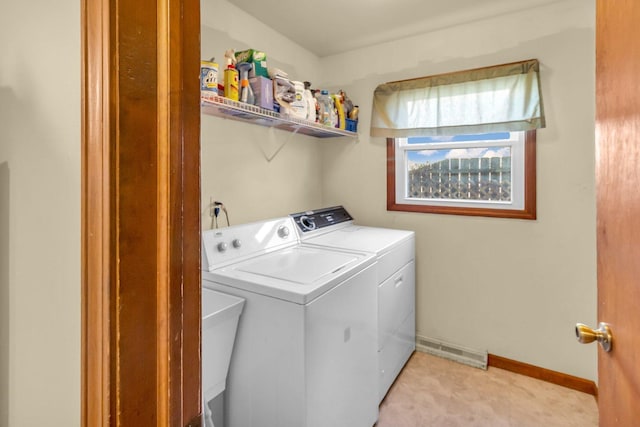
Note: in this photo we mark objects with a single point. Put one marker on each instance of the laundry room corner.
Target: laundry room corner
(481, 282)
(256, 172)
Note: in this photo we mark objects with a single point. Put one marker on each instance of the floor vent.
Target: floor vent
(475, 358)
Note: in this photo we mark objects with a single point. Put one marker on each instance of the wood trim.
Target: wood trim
(391, 175)
(96, 219)
(190, 241)
(530, 179)
(140, 213)
(530, 175)
(564, 380)
(178, 229)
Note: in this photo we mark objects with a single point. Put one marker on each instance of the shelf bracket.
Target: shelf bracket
(268, 157)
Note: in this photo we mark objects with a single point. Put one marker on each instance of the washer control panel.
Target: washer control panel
(222, 246)
(321, 218)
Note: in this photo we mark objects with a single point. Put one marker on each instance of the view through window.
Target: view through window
(463, 174)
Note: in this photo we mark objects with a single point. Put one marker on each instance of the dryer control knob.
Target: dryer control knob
(283, 232)
(222, 247)
(237, 243)
(307, 223)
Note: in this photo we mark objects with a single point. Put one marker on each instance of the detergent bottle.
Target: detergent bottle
(311, 103)
(231, 82)
(337, 99)
(299, 104)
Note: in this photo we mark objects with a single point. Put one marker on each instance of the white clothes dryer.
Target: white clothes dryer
(305, 353)
(395, 270)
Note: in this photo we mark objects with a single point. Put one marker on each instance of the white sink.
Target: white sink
(220, 314)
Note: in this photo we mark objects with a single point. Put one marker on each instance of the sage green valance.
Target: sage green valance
(499, 98)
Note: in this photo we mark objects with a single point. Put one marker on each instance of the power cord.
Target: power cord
(216, 207)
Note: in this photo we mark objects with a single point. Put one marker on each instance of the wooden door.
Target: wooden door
(618, 207)
(140, 213)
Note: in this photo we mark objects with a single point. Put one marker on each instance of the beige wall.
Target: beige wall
(257, 172)
(515, 288)
(40, 213)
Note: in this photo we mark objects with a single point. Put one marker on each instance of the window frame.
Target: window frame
(527, 212)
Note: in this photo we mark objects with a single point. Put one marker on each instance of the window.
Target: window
(462, 143)
(484, 174)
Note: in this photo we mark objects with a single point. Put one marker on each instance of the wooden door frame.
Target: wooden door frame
(140, 213)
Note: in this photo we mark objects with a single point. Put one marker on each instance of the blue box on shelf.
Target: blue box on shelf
(351, 125)
(263, 90)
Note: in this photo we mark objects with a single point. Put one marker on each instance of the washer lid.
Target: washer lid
(299, 264)
(297, 274)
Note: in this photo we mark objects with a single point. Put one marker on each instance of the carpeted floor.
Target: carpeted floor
(435, 392)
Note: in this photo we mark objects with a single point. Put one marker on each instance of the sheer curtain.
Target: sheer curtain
(500, 98)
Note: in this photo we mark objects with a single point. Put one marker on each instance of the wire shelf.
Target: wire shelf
(220, 106)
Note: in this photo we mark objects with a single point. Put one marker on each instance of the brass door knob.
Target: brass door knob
(587, 335)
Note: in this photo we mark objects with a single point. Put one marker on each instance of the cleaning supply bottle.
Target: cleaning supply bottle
(326, 109)
(353, 115)
(299, 104)
(311, 103)
(347, 104)
(231, 82)
(337, 100)
(246, 93)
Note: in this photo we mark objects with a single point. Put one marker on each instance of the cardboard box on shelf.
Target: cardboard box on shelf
(255, 57)
(263, 91)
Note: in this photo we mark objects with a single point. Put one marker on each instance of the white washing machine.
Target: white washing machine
(395, 269)
(305, 353)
